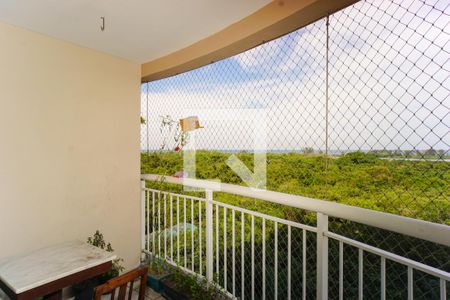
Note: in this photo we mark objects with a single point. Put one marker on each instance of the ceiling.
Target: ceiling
(137, 30)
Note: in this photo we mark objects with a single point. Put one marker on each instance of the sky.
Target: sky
(388, 74)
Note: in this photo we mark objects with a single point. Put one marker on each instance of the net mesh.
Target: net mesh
(364, 121)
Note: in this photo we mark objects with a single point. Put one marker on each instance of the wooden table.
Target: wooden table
(47, 271)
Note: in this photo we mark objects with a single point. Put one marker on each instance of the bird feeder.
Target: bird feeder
(190, 124)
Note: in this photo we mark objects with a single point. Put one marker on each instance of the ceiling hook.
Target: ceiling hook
(102, 27)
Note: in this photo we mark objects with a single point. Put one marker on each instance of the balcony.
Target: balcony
(288, 149)
(251, 254)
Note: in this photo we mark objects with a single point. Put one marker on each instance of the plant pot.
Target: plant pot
(174, 289)
(170, 292)
(85, 290)
(154, 281)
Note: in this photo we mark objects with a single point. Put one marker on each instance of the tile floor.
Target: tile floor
(152, 295)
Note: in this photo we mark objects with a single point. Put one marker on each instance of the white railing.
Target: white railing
(182, 238)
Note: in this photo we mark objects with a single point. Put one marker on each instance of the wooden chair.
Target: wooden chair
(122, 282)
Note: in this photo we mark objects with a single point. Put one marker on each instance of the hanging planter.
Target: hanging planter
(178, 130)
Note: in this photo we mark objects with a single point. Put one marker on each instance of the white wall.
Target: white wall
(69, 145)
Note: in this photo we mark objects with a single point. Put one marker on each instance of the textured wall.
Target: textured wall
(69, 145)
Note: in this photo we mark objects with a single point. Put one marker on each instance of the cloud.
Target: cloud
(260, 56)
(389, 84)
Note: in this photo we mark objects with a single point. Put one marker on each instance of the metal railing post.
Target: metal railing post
(142, 214)
(322, 257)
(209, 236)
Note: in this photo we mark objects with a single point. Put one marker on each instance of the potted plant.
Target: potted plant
(157, 270)
(85, 289)
(184, 286)
(98, 240)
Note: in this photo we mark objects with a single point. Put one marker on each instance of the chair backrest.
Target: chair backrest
(122, 283)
